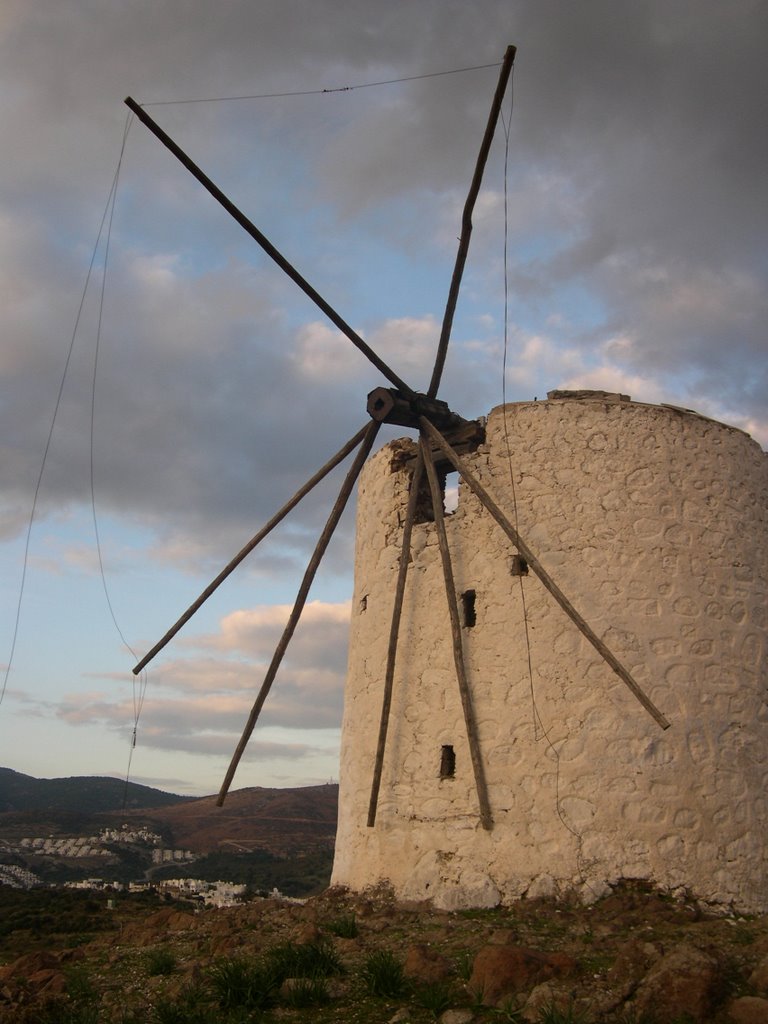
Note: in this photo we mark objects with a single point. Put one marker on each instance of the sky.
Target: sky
(194, 388)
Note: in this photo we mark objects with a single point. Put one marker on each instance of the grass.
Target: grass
(240, 983)
(464, 963)
(303, 960)
(306, 992)
(384, 975)
(169, 1011)
(160, 962)
(554, 1014)
(345, 926)
(437, 997)
(510, 1011)
(58, 1011)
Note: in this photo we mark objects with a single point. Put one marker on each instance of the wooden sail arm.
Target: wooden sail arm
(301, 598)
(267, 246)
(466, 220)
(252, 543)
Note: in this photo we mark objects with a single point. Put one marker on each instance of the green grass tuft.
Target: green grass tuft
(384, 974)
(160, 962)
(345, 926)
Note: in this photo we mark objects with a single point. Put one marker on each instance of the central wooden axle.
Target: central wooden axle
(387, 405)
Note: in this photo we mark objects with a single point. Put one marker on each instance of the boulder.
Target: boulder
(748, 1010)
(502, 971)
(758, 979)
(682, 982)
(425, 964)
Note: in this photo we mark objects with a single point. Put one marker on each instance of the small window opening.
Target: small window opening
(519, 566)
(450, 485)
(468, 607)
(364, 603)
(448, 480)
(447, 762)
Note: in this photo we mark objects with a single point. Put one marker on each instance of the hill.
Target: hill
(286, 823)
(283, 821)
(81, 794)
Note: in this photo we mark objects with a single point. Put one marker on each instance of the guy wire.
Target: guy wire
(139, 687)
(539, 729)
(57, 405)
(320, 92)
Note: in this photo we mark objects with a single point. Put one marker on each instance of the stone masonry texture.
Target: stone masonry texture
(654, 523)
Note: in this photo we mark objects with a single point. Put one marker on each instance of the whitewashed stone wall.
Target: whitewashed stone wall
(653, 522)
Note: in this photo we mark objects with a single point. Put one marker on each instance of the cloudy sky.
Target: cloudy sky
(636, 233)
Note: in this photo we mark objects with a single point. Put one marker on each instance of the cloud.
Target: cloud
(200, 703)
(635, 220)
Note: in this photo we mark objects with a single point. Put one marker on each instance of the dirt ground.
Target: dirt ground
(634, 957)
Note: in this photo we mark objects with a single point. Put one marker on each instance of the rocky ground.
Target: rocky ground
(634, 957)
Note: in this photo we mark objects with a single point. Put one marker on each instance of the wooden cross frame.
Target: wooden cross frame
(433, 419)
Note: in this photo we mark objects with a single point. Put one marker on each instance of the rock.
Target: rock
(748, 1010)
(425, 964)
(682, 982)
(308, 933)
(48, 981)
(456, 1017)
(402, 1016)
(758, 979)
(29, 964)
(633, 960)
(501, 971)
(545, 997)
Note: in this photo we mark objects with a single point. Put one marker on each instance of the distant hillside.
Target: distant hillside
(80, 795)
(282, 821)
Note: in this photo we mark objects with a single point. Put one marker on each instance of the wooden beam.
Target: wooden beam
(466, 220)
(486, 818)
(346, 489)
(535, 566)
(266, 245)
(394, 632)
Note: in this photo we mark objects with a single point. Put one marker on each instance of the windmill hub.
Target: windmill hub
(387, 405)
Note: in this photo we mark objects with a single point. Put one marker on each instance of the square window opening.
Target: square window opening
(519, 566)
(468, 608)
(447, 762)
(448, 481)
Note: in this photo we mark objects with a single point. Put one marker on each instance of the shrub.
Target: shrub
(553, 1014)
(240, 983)
(160, 961)
(345, 926)
(437, 997)
(305, 992)
(304, 960)
(383, 974)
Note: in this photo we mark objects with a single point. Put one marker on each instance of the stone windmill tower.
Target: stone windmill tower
(493, 745)
(658, 519)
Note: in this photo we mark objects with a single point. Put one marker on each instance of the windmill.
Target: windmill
(443, 436)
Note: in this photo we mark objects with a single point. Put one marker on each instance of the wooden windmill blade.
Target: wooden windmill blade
(230, 567)
(466, 221)
(301, 598)
(271, 250)
(433, 419)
